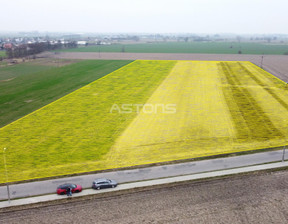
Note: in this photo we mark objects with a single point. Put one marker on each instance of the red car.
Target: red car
(62, 189)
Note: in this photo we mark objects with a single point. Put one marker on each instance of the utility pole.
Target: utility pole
(262, 57)
(5, 166)
(283, 157)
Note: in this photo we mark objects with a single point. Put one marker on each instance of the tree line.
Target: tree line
(25, 50)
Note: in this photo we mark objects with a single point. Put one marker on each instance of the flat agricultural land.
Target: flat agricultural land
(147, 112)
(275, 64)
(2, 53)
(189, 47)
(254, 198)
(31, 85)
(222, 107)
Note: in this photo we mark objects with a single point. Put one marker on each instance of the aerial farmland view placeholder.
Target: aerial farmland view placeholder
(148, 112)
(144, 111)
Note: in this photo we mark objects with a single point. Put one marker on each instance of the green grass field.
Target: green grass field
(190, 47)
(28, 86)
(2, 53)
(221, 107)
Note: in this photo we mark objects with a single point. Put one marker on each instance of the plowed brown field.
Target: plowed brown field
(275, 64)
(240, 199)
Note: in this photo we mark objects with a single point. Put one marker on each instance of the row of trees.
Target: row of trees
(25, 50)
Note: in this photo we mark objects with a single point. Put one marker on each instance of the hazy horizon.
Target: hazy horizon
(158, 16)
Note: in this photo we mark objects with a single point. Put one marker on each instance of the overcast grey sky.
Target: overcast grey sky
(149, 16)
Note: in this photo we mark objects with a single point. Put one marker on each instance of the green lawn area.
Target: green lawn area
(2, 53)
(189, 47)
(29, 86)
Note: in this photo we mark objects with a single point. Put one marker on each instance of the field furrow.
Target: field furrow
(262, 84)
(258, 124)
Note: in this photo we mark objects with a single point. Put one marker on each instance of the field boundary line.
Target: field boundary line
(268, 73)
(35, 111)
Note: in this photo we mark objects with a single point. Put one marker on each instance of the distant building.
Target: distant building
(8, 46)
(72, 37)
(81, 42)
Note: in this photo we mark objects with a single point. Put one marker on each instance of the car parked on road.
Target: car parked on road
(104, 183)
(75, 188)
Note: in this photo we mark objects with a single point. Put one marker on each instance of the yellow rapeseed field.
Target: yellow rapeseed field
(74, 133)
(148, 112)
(221, 107)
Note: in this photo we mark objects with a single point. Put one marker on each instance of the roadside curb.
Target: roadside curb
(143, 184)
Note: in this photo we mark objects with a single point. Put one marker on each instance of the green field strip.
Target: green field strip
(258, 123)
(31, 86)
(2, 53)
(11, 72)
(189, 47)
(74, 133)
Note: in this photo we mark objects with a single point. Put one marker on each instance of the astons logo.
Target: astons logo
(144, 108)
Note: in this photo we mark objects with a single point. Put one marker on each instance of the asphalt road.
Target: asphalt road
(255, 198)
(125, 176)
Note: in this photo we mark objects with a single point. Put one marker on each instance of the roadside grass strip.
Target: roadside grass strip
(74, 133)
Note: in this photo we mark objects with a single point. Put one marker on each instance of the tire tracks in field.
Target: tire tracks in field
(260, 83)
(249, 119)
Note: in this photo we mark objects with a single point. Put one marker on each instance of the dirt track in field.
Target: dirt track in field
(275, 64)
(245, 199)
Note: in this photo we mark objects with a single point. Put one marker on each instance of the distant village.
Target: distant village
(23, 44)
(56, 41)
(65, 41)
